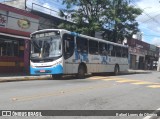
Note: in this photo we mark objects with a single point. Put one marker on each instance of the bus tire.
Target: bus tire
(81, 72)
(116, 70)
(56, 76)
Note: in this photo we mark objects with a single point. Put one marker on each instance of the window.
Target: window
(111, 49)
(82, 45)
(93, 47)
(68, 45)
(124, 52)
(103, 48)
(9, 47)
(118, 51)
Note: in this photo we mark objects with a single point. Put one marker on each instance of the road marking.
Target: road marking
(105, 78)
(131, 81)
(58, 93)
(111, 79)
(153, 117)
(98, 77)
(154, 86)
(143, 83)
(126, 81)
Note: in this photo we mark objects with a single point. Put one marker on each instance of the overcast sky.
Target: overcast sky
(149, 21)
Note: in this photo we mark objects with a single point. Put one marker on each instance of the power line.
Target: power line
(151, 35)
(55, 2)
(146, 13)
(150, 19)
(148, 28)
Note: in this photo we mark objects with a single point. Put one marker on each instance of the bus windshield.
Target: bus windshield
(46, 47)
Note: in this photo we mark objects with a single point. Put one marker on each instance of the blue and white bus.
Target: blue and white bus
(57, 52)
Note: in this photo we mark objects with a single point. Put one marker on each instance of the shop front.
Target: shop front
(137, 58)
(137, 52)
(15, 28)
(152, 57)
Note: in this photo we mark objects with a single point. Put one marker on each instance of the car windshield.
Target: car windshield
(46, 47)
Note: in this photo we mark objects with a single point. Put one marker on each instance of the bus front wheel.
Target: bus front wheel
(56, 76)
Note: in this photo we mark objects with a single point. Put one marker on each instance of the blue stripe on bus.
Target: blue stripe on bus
(74, 34)
(47, 70)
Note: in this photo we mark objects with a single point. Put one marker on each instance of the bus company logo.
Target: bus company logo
(23, 23)
(6, 113)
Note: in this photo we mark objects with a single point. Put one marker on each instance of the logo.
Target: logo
(6, 113)
(23, 23)
(2, 20)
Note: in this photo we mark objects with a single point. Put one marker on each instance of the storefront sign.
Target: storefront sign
(139, 46)
(14, 20)
(137, 51)
(3, 18)
(23, 23)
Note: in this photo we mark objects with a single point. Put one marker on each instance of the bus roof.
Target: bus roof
(77, 34)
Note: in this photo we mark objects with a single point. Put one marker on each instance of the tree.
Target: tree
(90, 16)
(123, 16)
(86, 14)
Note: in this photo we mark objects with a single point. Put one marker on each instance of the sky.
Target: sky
(149, 23)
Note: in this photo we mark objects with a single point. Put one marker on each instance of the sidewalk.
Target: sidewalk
(131, 71)
(24, 77)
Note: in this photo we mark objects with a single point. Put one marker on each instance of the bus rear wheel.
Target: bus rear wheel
(81, 72)
(56, 76)
(116, 70)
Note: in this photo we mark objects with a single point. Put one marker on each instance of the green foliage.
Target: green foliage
(115, 17)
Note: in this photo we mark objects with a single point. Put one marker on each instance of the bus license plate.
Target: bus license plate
(42, 71)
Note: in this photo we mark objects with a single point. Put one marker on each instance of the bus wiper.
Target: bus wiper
(36, 46)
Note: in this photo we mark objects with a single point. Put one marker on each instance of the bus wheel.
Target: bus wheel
(56, 76)
(81, 72)
(116, 70)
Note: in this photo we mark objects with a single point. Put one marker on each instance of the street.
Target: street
(100, 92)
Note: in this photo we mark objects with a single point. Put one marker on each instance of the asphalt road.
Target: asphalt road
(124, 92)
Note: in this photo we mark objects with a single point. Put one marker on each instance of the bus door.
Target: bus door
(68, 51)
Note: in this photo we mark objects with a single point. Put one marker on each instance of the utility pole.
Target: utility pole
(158, 64)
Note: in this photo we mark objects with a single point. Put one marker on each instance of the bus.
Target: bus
(57, 51)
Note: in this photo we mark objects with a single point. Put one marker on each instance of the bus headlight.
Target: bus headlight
(32, 65)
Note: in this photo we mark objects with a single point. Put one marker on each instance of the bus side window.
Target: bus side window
(102, 49)
(111, 50)
(68, 45)
(118, 51)
(82, 45)
(93, 47)
(125, 52)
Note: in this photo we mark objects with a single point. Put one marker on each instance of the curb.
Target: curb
(134, 72)
(25, 78)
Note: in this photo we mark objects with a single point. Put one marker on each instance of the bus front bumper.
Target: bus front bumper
(46, 70)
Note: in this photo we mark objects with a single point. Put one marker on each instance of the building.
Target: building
(142, 55)
(158, 63)
(137, 36)
(15, 28)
